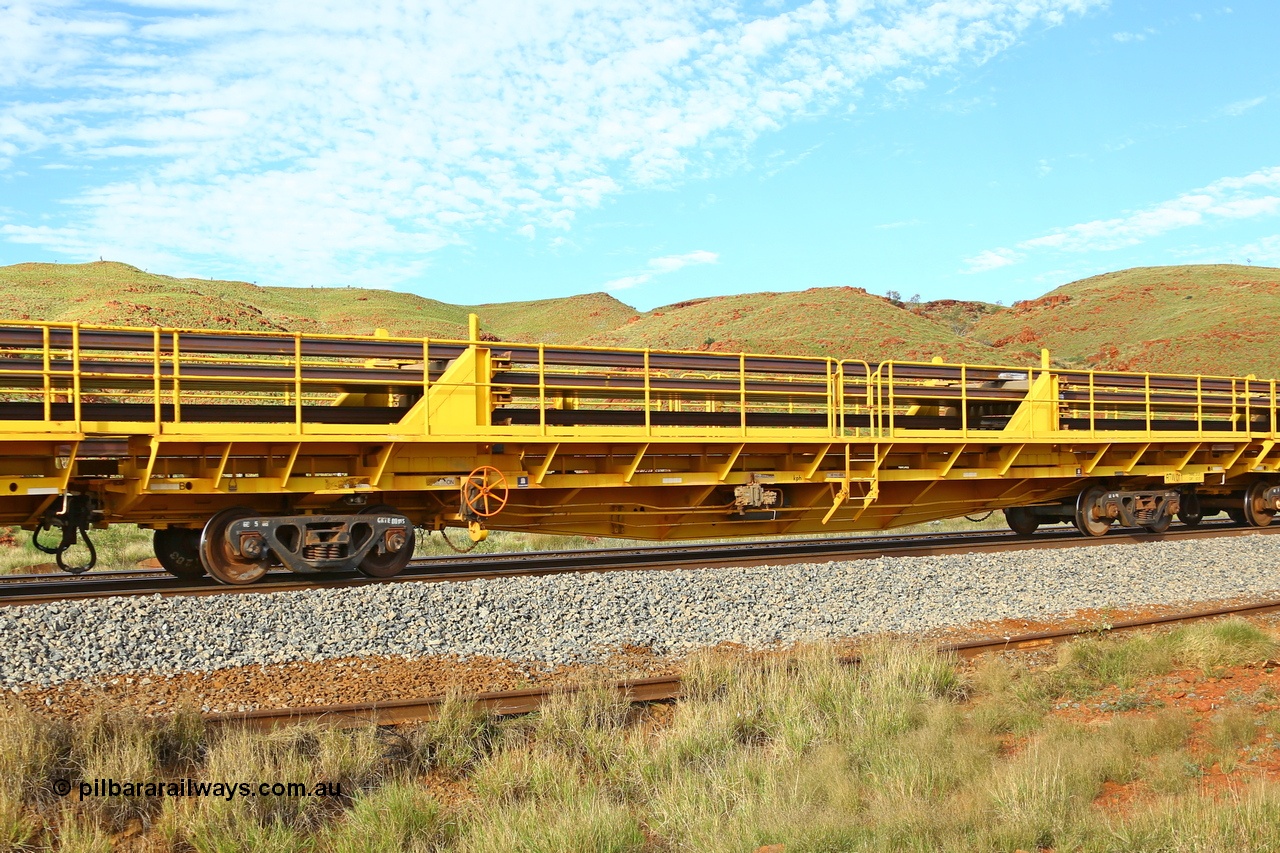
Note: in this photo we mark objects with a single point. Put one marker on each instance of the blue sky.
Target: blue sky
(488, 151)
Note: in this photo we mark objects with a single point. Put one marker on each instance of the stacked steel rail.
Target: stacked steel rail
(322, 453)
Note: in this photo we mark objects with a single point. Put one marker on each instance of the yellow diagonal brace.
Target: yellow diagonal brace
(951, 460)
(151, 464)
(1088, 467)
(1182, 463)
(728, 465)
(287, 471)
(1236, 458)
(383, 458)
(630, 470)
(1013, 457)
(817, 462)
(216, 471)
(1133, 463)
(541, 471)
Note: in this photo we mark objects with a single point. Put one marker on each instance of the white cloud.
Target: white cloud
(904, 84)
(662, 266)
(1253, 195)
(1241, 107)
(991, 259)
(312, 139)
(1263, 251)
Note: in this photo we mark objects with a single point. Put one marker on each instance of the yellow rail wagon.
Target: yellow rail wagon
(322, 453)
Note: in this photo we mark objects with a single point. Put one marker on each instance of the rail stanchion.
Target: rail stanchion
(75, 372)
(297, 382)
(426, 386)
(155, 376)
(48, 379)
(177, 379)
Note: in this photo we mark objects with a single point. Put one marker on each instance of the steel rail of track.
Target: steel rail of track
(457, 569)
(667, 688)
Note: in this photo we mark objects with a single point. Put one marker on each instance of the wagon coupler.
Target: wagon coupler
(73, 517)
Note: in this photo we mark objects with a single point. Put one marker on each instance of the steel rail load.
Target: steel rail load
(321, 452)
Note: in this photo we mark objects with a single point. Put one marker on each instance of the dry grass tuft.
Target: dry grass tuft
(896, 753)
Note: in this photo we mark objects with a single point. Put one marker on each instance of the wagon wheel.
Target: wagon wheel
(484, 492)
(1021, 521)
(1190, 513)
(1085, 520)
(1160, 526)
(391, 563)
(178, 550)
(1256, 512)
(215, 552)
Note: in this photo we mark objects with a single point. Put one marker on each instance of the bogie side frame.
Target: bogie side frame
(168, 427)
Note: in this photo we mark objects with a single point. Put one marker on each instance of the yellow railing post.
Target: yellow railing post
(1146, 386)
(964, 401)
(742, 388)
(426, 386)
(75, 370)
(48, 379)
(1093, 415)
(1248, 409)
(866, 372)
(1199, 407)
(542, 388)
(838, 426)
(155, 377)
(297, 381)
(648, 425)
(177, 379)
(891, 400)
(873, 399)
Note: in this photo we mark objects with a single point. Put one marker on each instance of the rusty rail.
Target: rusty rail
(669, 688)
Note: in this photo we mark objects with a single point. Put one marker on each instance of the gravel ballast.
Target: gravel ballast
(581, 618)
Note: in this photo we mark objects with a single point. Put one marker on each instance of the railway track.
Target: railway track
(667, 688)
(39, 589)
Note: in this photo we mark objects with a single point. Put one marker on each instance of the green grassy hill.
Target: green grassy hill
(1212, 319)
(1187, 319)
(114, 293)
(839, 321)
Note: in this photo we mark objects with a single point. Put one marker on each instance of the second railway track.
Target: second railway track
(669, 687)
(32, 589)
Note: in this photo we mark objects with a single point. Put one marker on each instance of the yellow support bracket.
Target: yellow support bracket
(952, 459)
(284, 472)
(729, 463)
(1088, 467)
(817, 462)
(1133, 463)
(1227, 466)
(375, 471)
(1186, 457)
(539, 472)
(630, 470)
(215, 472)
(1263, 452)
(1013, 455)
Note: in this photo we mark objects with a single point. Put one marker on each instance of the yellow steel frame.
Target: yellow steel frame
(851, 445)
